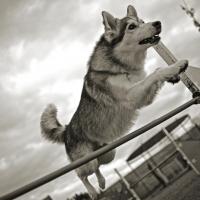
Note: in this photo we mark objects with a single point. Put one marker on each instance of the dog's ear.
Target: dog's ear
(108, 21)
(110, 25)
(131, 12)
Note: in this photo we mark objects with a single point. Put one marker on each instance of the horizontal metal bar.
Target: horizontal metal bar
(43, 180)
(169, 58)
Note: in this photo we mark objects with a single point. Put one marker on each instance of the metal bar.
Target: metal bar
(169, 58)
(45, 179)
(127, 185)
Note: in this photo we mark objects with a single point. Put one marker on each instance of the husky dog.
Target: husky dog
(115, 87)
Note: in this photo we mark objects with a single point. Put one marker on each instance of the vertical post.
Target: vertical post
(178, 162)
(180, 151)
(152, 165)
(127, 185)
(138, 177)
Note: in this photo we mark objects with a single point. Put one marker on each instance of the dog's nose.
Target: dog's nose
(157, 24)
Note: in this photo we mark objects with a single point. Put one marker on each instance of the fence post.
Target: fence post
(181, 151)
(134, 171)
(127, 185)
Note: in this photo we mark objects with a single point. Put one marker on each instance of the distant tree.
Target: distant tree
(82, 196)
(191, 12)
(47, 198)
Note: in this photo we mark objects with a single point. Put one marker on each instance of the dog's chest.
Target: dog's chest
(125, 110)
(121, 85)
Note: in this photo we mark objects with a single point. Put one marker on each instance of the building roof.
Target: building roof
(156, 138)
(193, 74)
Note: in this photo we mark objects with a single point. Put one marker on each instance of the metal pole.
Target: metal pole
(45, 179)
(169, 58)
(127, 185)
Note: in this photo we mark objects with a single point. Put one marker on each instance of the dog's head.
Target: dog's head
(130, 33)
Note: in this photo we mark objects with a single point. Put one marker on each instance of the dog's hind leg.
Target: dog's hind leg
(78, 151)
(104, 159)
(101, 179)
(107, 157)
(91, 190)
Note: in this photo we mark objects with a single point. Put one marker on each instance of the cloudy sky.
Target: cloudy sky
(44, 49)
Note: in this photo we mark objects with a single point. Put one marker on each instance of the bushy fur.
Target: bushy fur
(51, 128)
(115, 87)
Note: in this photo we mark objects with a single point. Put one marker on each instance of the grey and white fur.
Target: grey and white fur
(115, 88)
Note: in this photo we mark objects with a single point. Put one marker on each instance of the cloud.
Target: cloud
(3, 164)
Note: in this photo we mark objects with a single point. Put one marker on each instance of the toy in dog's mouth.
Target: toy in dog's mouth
(151, 40)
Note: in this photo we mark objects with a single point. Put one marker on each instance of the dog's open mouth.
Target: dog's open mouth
(151, 40)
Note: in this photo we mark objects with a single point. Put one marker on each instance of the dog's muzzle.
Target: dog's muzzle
(155, 38)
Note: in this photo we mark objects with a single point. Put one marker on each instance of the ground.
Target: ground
(185, 188)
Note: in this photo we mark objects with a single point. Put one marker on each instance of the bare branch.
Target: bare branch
(191, 12)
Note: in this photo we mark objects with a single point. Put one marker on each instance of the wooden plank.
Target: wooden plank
(170, 59)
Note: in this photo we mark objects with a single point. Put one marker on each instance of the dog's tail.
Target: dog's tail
(51, 129)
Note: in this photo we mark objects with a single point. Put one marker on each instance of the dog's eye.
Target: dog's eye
(132, 26)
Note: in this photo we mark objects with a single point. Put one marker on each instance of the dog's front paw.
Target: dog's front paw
(174, 79)
(182, 65)
(171, 73)
(178, 67)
